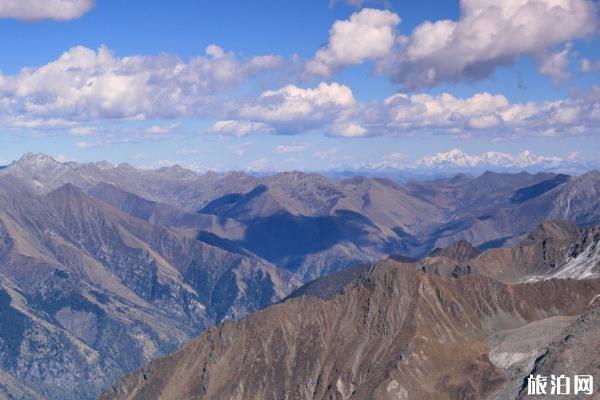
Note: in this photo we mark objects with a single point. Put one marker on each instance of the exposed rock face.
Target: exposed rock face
(459, 251)
(515, 350)
(394, 333)
(583, 257)
(574, 351)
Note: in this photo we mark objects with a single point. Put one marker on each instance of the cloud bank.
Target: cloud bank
(86, 84)
(487, 35)
(34, 10)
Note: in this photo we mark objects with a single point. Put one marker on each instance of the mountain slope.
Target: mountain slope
(396, 333)
(89, 292)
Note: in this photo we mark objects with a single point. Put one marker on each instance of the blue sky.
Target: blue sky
(313, 85)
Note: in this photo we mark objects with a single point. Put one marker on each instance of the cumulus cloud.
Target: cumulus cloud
(292, 110)
(368, 34)
(87, 84)
(487, 34)
(484, 113)
(480, 111)
(349, 130)
(332, 109)
(292, 103)
(32, 10)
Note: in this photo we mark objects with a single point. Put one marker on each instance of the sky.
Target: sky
(312, 85)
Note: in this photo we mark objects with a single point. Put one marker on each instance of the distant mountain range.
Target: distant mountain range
(454, 161)
(106, 267)
(457, 324)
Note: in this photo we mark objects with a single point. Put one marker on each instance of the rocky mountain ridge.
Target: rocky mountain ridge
(106, 267)
(317, 225)
(393, 331)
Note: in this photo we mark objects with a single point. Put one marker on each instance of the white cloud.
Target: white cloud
(162, 129)
(240, 128)
(555, 64)
(481, 111)
(488, 34)
(87, 84)
(258, 165)
(353, 3)
(38, 123)
(61, 158)
(589, 66)
(368, 34)
(325, 154)
(331, 109)
(485, 112)
(85, 145)
(291, 148)
(292, 103)
(293, 110)
(349, 130)
(31, 10)
(82, 131)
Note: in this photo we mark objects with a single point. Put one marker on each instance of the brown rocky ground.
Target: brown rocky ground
(395, 333)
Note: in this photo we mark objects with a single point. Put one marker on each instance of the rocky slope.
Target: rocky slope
(392, 333)
(457, 324)
(88, 292)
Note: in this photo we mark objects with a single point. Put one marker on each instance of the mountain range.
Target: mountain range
(105, 267)
(457, 324)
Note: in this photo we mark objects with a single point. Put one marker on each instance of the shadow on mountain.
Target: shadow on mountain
(533, 191)
(224, 204)
(284, 234)
(13, 325)
(217, 241)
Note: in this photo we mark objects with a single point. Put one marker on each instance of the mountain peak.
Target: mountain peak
(558, 230)
(459, 251)
(177, 171)
(36, 158)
